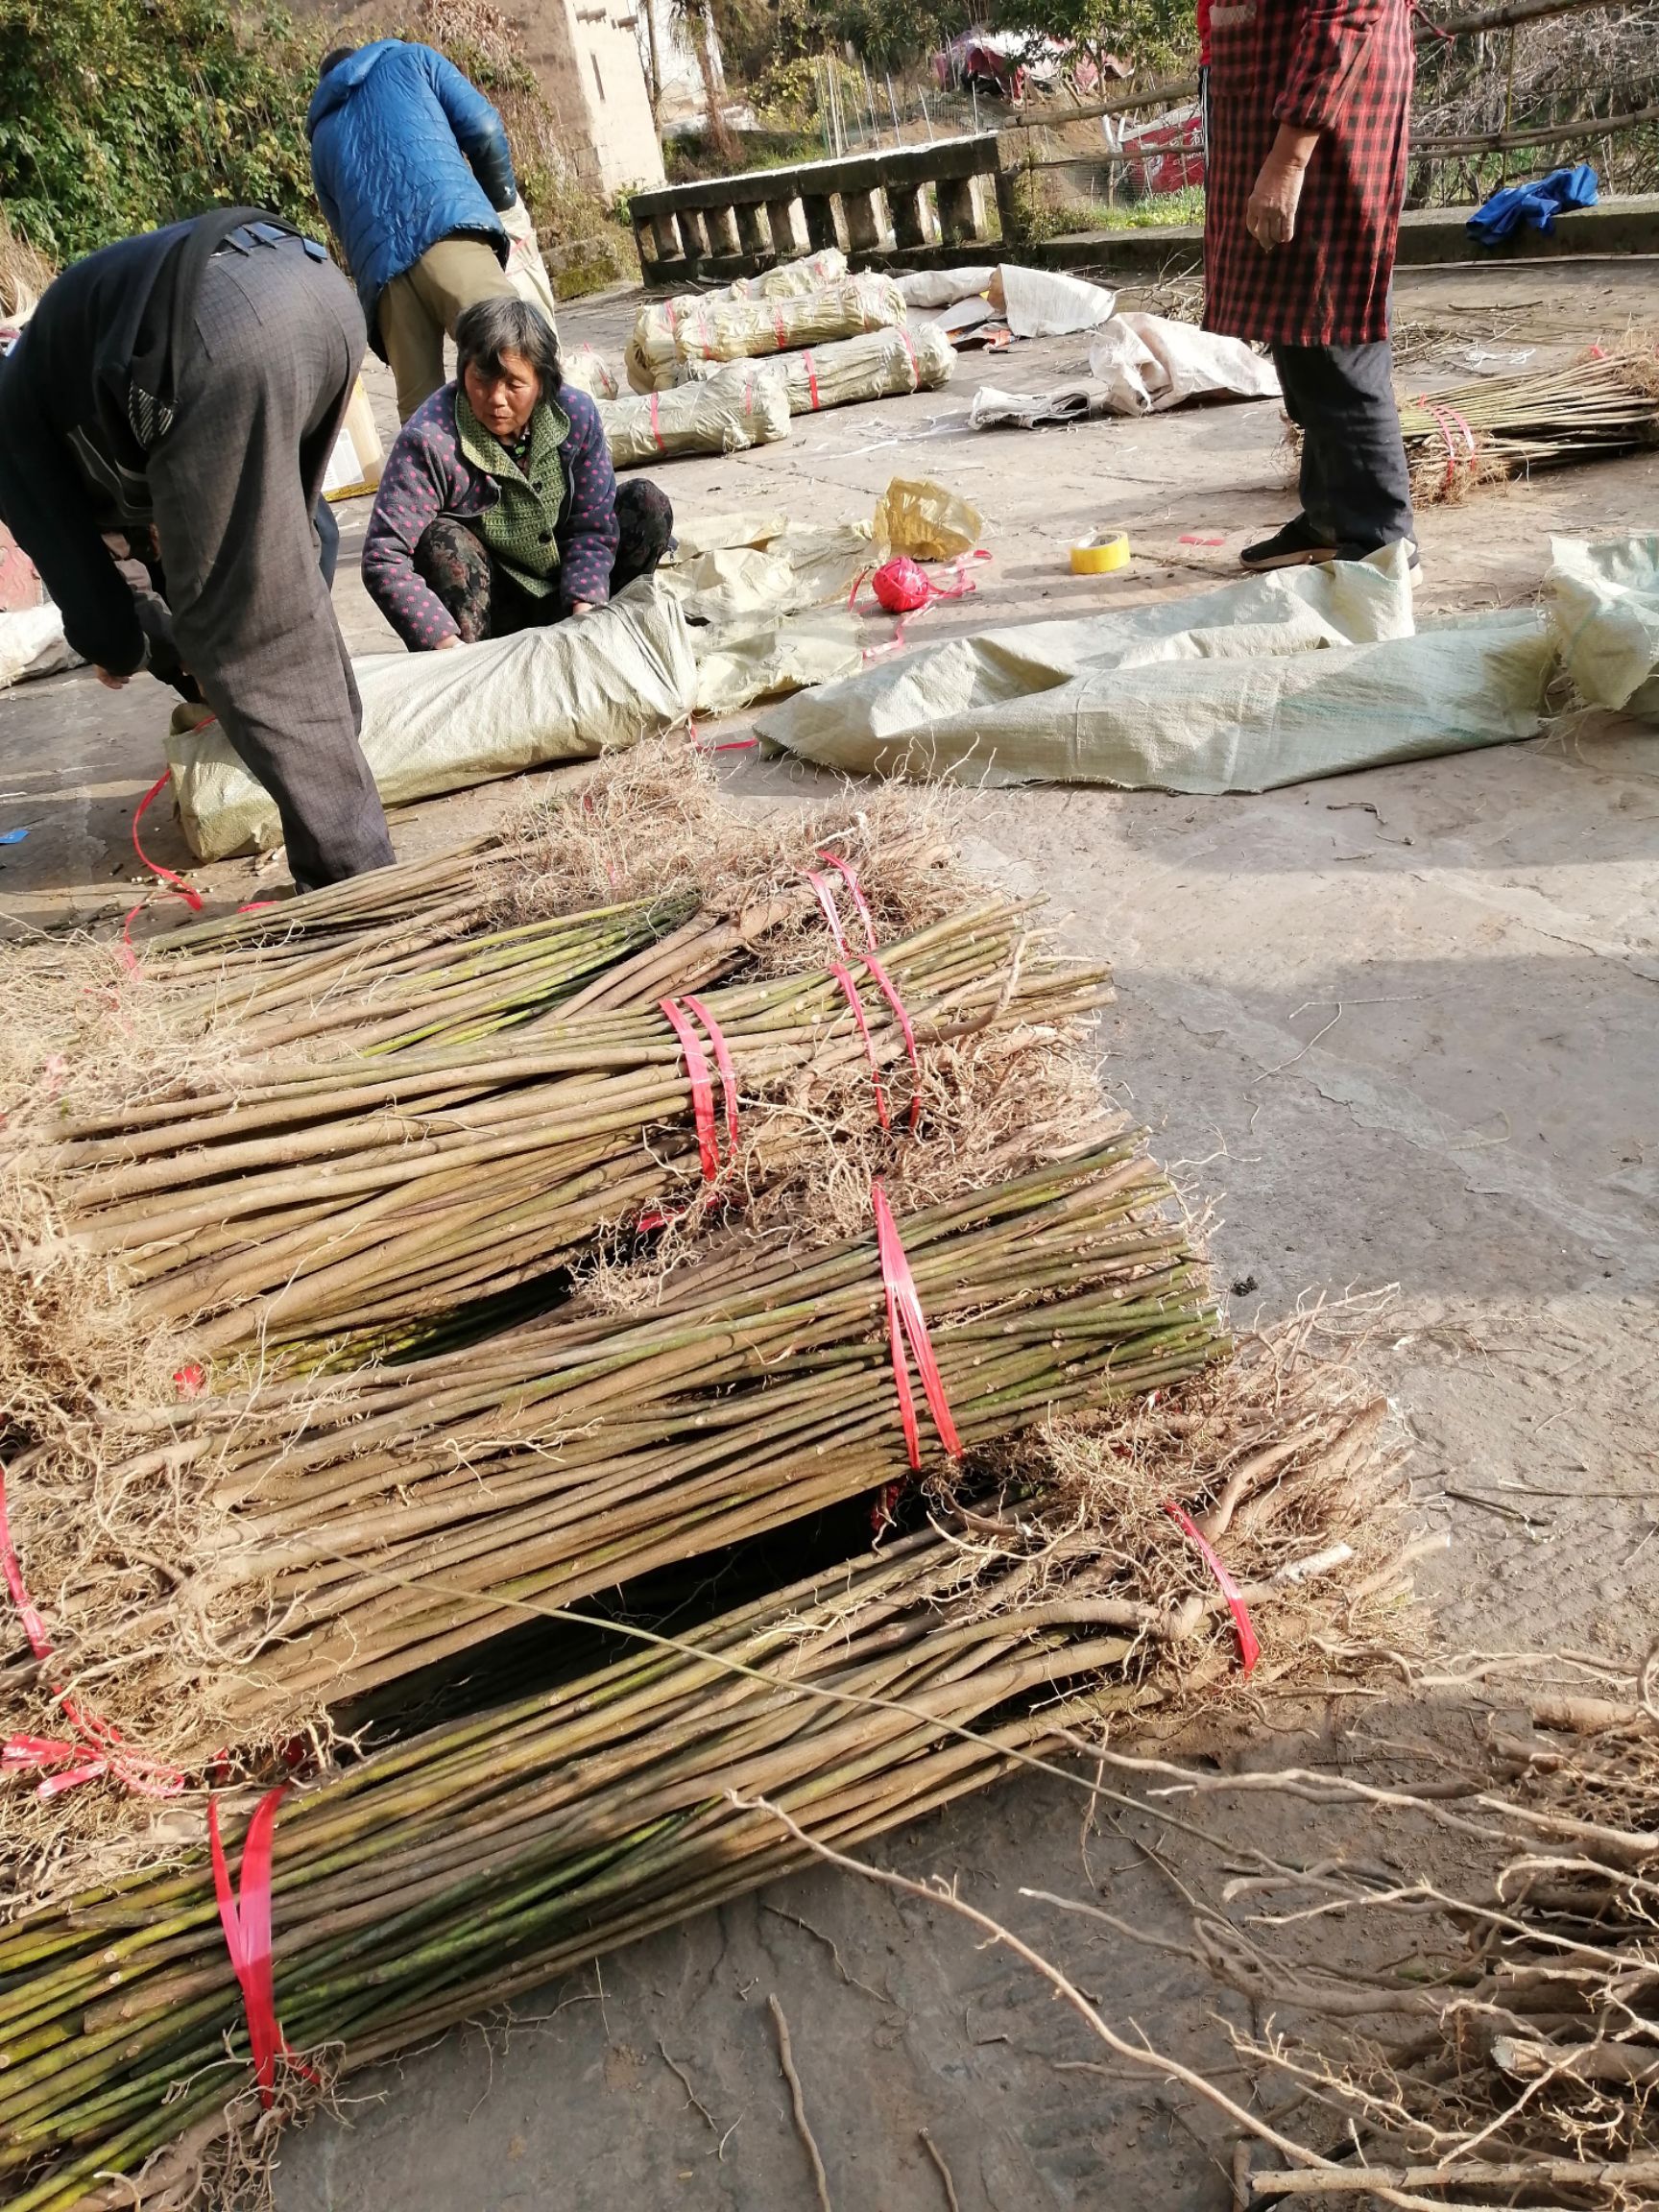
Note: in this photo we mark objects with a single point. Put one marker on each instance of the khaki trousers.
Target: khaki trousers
(418, 308)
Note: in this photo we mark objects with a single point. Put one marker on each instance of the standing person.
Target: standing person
(413, 168)
(183, 391)
(1309, 114)
(498, 510)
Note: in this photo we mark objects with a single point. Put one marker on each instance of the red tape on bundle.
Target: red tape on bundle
(701, 1089)
(96, 1746)
(884, 981)
(1249, 1649)
(849, 990)
(722, 1061)
(656, 430)
(831, 912)
(811, 382)
(908, 1325)
(1446, 420)
(781, 327)
(244, 1915)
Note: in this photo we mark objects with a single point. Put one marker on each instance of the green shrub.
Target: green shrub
(116, 115)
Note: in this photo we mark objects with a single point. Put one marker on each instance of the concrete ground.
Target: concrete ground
(1400, 1028)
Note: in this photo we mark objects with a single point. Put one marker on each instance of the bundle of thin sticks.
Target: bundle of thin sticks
(1501, 426)
(444, 1876)
(252, 1562)
(357, 1201)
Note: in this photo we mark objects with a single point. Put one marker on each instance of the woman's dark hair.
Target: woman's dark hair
(333, 58)
(507, 325)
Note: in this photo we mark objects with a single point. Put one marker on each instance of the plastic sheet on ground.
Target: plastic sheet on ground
(1047, 303)
(673, 331)
(744, 404)
(1139, 365)
(33, 643)
(1603, 607)
(766, 603)
(759, 656)
(1308, 673)
(943, 287)
(435, 722)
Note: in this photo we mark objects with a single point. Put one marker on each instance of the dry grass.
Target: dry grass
(24, 275)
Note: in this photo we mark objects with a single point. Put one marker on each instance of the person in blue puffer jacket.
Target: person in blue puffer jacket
(413, 169)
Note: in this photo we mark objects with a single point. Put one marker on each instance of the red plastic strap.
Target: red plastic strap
(844, 977)
(781, 326)
(1249, 1649)
(246, 1919)
(722, 1061)
(884, 984)
(701, 1089)
(907, 1324)
(174, 882)
(915, 365)
(849, 875)
(831, 912)
(656, 430)
(812, 377)
(96, 1745)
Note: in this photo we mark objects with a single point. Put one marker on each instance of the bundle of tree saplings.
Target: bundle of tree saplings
(710, 329)
(1052, 1598)
(877, 365)
(253, 1560)
(562, 906)
(1501, 426)
(358, 1200)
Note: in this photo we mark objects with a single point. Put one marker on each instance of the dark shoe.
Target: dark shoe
(1293, 547)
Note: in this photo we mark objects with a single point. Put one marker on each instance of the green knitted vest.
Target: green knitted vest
(518, 530)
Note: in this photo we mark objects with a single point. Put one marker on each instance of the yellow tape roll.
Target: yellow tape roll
(1101, 555)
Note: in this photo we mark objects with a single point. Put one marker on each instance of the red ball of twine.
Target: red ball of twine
(901, 586)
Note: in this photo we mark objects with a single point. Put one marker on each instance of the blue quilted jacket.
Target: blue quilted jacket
(404, 152)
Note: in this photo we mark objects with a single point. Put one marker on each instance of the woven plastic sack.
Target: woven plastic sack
(1147, 364)
(435, 722)
(589, 371)
(744, 405)
(1603, 607)
(1046, 302)
(925, 520)
(526, 271)
(31, 643)
(878, 365)
(1308, 673)
(708, 329)
(811, 273)
(943, 287)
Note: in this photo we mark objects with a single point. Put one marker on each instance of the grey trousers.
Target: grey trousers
(233, 486)
(1356, 487)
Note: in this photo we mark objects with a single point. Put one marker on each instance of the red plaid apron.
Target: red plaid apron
(1344, 67)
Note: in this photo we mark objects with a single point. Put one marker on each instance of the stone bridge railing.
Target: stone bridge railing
(907, 206)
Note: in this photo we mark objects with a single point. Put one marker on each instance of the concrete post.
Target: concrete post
(781, 219)
(909, 220)
(956, 211)
(820, 212)
(753, 241)
(864, 226)
(666, 238)
(722, 233)
(693, 237)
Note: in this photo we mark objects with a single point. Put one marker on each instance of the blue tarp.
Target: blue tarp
(1537, 204)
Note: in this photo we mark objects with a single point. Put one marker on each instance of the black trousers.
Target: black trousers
(486, 602)
(1356, 487)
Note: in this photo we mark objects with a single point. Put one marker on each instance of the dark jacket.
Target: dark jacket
(405, 152)
(83, 395)
(427, 475)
